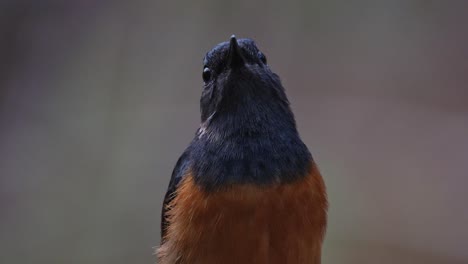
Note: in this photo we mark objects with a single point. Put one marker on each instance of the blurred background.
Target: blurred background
(99, 98)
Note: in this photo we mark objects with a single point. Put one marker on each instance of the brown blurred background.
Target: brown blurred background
(99, 98)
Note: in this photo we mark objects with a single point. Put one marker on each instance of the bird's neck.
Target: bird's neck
(251, 147)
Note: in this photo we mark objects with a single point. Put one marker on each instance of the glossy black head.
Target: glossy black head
(235, 74)
(248, 133)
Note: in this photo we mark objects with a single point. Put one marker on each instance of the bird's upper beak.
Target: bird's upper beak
(236, 59)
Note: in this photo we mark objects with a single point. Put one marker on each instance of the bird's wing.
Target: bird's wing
(177, 175)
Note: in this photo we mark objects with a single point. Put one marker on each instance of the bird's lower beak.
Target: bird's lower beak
(236, 59)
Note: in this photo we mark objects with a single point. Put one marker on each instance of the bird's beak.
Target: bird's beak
(236, 59)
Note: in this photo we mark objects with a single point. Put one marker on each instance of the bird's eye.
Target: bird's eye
(262, 57)
(206, 74)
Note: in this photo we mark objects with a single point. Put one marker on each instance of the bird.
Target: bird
(246, 189)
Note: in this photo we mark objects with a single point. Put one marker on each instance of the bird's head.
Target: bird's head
(248, 133)
(239, 82)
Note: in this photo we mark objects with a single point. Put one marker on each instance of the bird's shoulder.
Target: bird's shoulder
(178, 174)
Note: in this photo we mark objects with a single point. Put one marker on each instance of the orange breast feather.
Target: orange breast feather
(247, 224)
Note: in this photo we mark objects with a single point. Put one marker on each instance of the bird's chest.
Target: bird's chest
(247, 224)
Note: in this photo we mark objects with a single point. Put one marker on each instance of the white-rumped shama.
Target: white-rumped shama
(246, 189)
